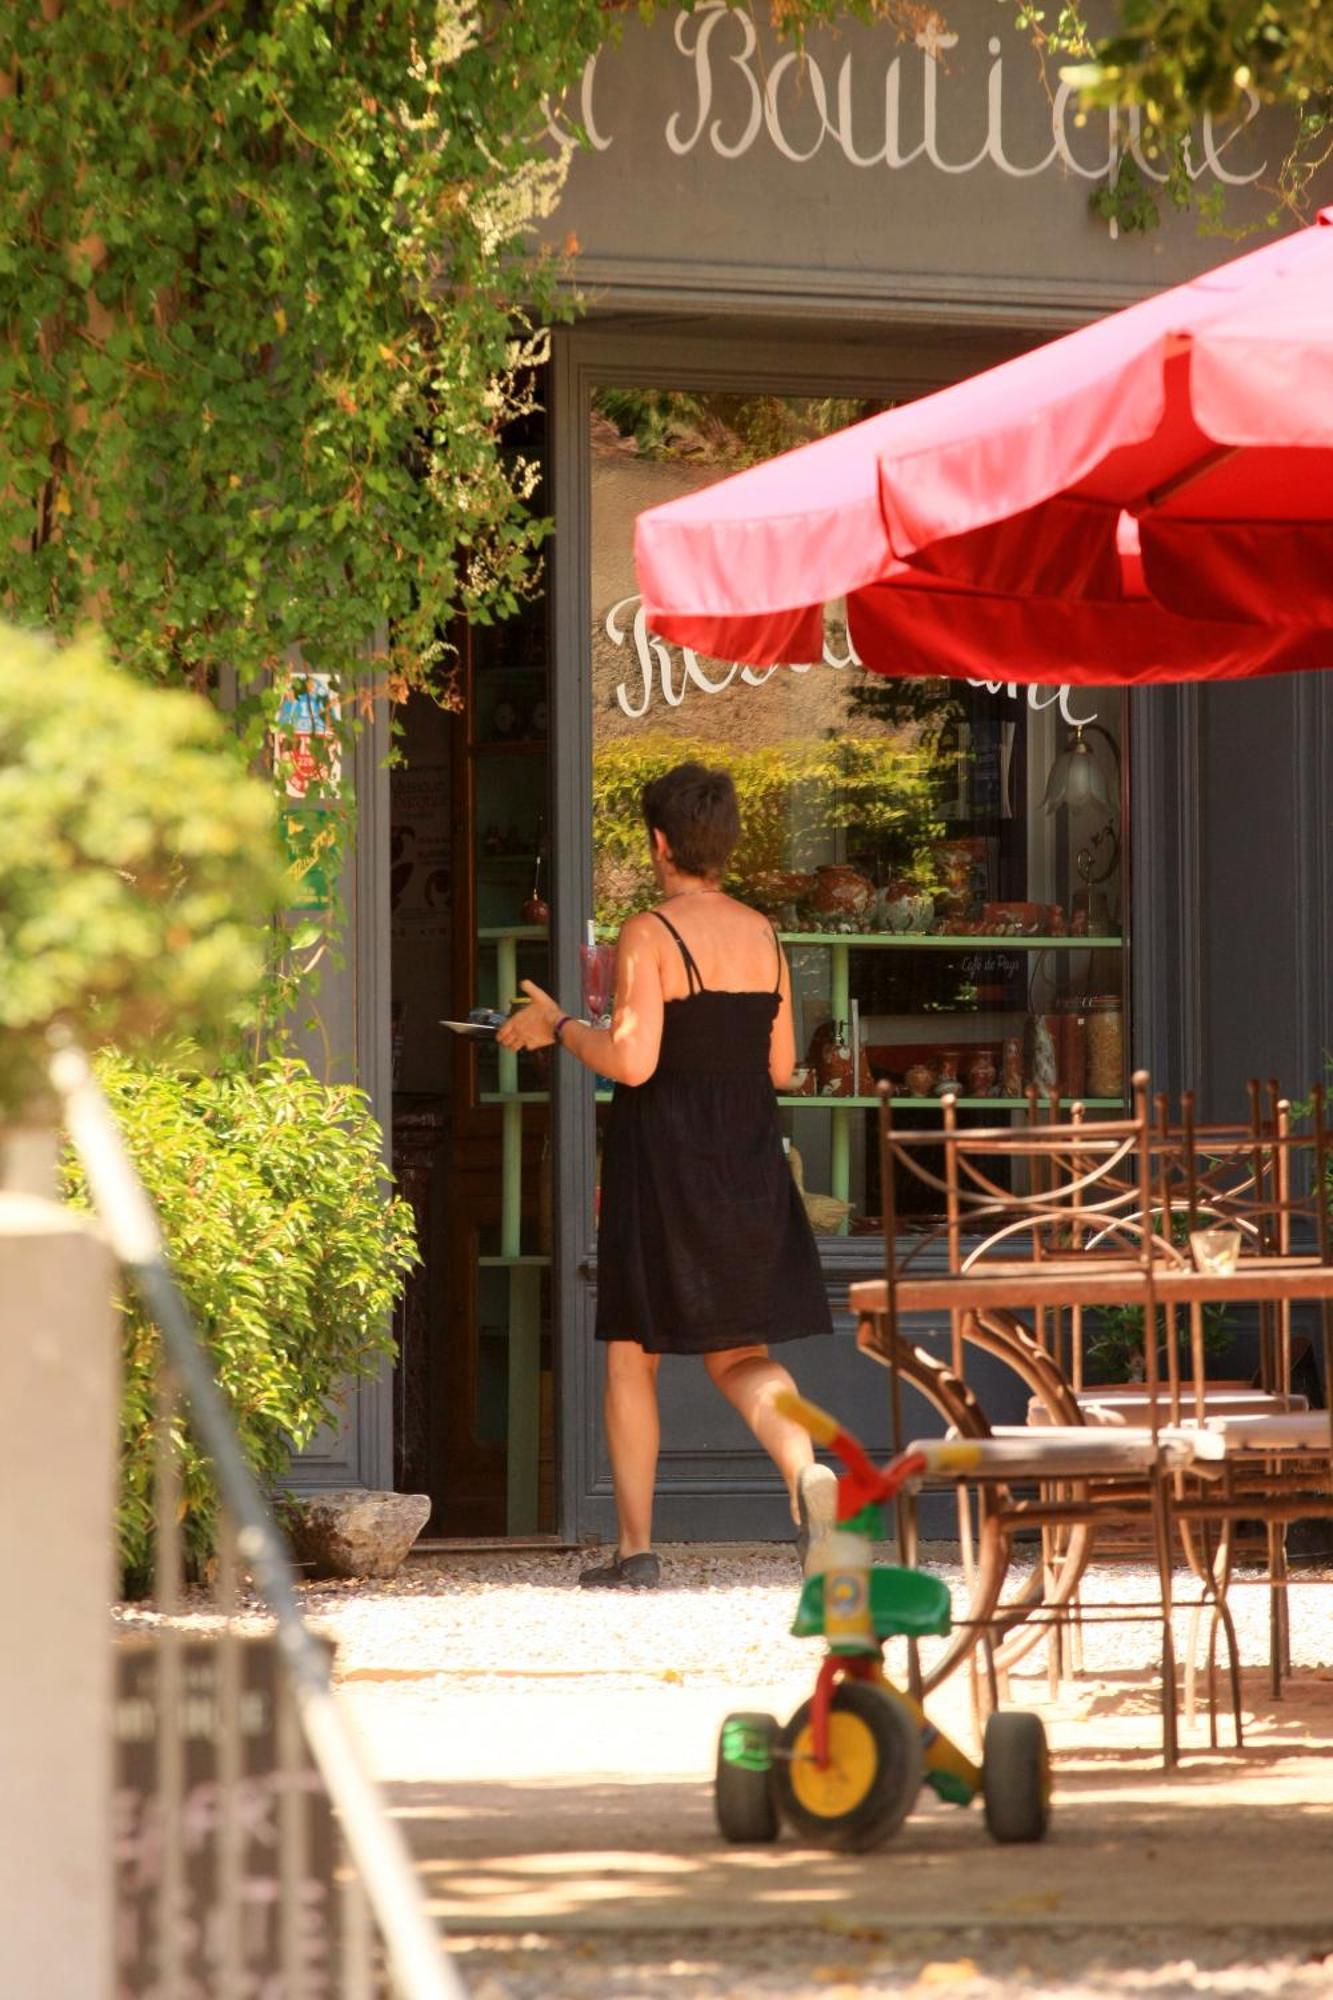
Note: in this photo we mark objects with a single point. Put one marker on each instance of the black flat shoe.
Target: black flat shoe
(641, 1572)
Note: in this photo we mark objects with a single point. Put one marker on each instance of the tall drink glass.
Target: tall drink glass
(598, 965)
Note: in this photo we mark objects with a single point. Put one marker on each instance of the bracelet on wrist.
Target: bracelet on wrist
(559, 1029)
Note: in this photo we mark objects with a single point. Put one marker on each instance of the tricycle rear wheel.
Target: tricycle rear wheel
(743, 1800)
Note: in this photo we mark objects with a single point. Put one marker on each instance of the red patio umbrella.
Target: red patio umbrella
(1149, 498)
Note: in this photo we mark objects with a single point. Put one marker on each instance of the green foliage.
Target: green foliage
(272, 1198)
(1115, 1333)
(137, 858)
(268, 295)
(879, 790)
(719, 427)
(1180, 58)
(269, 303)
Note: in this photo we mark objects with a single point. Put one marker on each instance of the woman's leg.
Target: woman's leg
(750, 1380)
(632, 1433)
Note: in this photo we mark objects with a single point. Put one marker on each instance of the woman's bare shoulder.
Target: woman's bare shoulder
(641, 929)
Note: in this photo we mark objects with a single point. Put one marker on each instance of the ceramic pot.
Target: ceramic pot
(841, 891)
(902, 909)
(1011, 1071)
(802, 1082)
(536, 911)
(981, 1074)
(920, 1079)
(948, 1079)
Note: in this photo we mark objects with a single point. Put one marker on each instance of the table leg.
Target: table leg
(840, 1136)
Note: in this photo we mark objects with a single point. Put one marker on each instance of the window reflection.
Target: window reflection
(943, 860)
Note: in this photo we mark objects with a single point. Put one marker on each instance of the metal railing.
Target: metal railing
(253, 1850)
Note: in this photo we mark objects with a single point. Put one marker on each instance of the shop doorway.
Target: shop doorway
(473, 1398)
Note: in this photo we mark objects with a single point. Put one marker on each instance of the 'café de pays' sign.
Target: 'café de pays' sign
(712, 146)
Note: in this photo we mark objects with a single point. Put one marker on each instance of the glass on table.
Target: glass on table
(1215, 1251)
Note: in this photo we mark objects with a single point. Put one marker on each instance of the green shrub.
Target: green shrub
(272, 1197)
(138, 859)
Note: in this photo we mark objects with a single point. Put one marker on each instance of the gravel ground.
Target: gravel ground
(722, 1616)
(457, 1624)
(964, 1966)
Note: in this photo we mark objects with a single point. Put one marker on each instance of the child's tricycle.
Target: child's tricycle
(846, 1770)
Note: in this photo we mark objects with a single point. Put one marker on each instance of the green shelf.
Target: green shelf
(927, 941)
(936, 1104)
(514, 1263)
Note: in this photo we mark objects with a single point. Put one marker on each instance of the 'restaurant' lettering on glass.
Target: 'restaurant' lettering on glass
(666, 673)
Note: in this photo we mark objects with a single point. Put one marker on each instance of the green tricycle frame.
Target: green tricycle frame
(848, 1767)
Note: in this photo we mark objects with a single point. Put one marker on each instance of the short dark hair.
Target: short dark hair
(696, 810)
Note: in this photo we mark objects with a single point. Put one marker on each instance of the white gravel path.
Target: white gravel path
(723, 1614)
(457, 1624)
(460, 1624)
(923, 1965)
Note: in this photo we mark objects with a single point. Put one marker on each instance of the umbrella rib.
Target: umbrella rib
(1217, 455)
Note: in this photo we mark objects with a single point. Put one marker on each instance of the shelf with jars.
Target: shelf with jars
(978, 1036)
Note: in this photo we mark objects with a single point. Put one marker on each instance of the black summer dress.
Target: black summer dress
(703, 1241)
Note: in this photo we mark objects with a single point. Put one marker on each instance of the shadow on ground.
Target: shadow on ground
(1225, 1840)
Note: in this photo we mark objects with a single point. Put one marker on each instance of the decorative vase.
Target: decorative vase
(1011, 1066)
(920, 1079)
(841, 891)
(981, 1074)
(1045, 1062)
(948, 1080)
(902, 909)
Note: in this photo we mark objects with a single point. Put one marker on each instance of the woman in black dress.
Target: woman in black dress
(704, 1246)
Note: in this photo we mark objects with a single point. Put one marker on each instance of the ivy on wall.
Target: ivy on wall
(268, 300)
(267, 303)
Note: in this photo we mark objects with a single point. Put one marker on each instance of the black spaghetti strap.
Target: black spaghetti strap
(692, 972)
(777, 946)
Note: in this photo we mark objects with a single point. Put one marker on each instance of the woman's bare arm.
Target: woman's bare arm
(627, 1051)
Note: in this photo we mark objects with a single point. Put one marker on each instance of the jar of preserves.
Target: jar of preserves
(1073, 1050)
(1105, 1046)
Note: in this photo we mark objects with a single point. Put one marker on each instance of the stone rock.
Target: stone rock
(354, 1533)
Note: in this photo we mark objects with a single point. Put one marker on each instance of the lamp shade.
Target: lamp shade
(1076, 780)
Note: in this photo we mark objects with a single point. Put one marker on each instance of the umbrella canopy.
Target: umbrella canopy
(1149, 498)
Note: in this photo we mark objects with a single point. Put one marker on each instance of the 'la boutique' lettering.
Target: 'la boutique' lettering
(661, 673)
(737, 98)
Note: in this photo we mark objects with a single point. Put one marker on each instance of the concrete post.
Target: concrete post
(58, 1428)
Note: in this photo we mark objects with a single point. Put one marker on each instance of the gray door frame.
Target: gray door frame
(874, 362)
(354, 1005)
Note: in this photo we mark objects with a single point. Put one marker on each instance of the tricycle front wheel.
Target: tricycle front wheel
(872, 1777)
(1016, 1776)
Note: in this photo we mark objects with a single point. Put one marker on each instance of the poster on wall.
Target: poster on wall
(307, 754)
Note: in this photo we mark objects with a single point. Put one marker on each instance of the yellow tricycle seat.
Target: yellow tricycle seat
(904, 1604)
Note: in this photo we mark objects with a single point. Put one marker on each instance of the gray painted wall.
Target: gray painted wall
(880, 174)
(709, 254)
